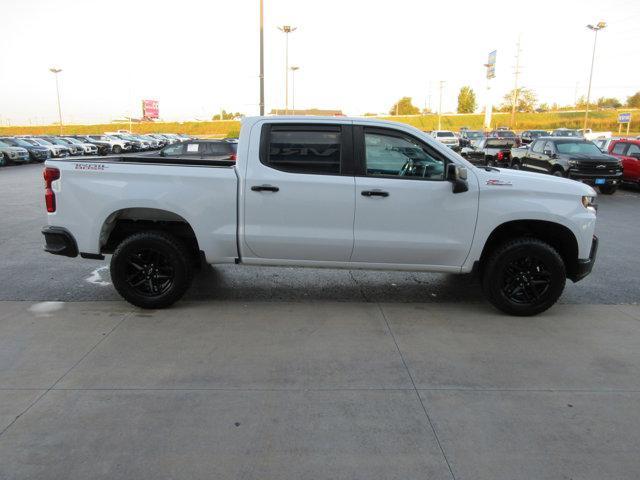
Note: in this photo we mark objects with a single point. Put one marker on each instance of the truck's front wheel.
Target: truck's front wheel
(151, 269)
(524, 276)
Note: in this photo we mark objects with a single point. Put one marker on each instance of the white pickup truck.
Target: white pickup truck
(323, 192)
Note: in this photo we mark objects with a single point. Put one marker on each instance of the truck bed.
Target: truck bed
(154, 159)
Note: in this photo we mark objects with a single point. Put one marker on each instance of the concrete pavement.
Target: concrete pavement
(318, 389)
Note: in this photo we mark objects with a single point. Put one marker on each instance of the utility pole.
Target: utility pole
(595, 29)
(56, 71)
(516, 91)
(261, 58)
(286, 29)
(293, 87)
(440, 106)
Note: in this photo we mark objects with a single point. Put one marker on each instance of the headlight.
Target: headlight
(589, 203)
(573, 163)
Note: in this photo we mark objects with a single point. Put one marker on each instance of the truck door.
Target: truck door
(406, 211)
(299, 193)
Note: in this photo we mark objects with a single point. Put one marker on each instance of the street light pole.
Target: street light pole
(261, 58)
(440, 106)
(293, 87)
(595, 28)
(287, 29)
(56, 71)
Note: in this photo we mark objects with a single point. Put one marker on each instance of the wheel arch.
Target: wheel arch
(127, 221)
(558, 236)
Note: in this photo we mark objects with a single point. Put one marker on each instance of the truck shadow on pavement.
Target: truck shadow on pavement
(295, 284)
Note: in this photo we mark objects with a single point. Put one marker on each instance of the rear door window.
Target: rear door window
(304, 149)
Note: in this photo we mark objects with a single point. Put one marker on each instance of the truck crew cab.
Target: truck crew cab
(323, 192)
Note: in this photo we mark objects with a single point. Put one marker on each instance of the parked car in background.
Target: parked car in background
(529, 136)
(591, 135)
(505, 133)
(86, 148)
(603, 144)
(578, 159)
(104, 147)
(36, 152)
(57, 151)
(628, 151)
(118, 146)
(184, 137)
(470, 137)
(447, 138)
(74, 150)
(164, 138)
(10, 154)
(492, 152)
(565, 132)
(202, 149)
(137, 145)
(153, 142)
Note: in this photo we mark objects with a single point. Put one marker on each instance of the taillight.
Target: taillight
(500, 155)
(50, 174)
(233, 157)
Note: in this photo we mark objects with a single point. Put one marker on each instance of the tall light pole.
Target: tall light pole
(261, 58)
(56, 71)
(286, 29)
(293, 87)
(440, 106)
(600, 25)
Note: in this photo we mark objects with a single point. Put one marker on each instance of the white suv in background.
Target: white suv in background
(447, 137)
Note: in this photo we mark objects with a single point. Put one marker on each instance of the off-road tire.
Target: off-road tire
(160, 255)
(545, 265)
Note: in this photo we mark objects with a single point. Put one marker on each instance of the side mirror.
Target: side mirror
(457, 175)
(635, 155)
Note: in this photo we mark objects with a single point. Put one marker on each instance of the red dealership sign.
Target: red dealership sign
(150, 109)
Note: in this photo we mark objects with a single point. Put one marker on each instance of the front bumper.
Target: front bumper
(59, 241)
(590, 179)
(584, 266)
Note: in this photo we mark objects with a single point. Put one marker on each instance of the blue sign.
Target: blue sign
(491, 65)
(624, 118)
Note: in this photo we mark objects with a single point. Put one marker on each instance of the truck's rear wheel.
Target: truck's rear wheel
(524, 277)
(151, 269)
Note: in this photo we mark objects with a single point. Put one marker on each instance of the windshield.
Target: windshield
(73, 140)
(16, 142)
(506, 134)
(474, 134)
(42, 142)
(445, 134)
(577, 147)
(2, 144)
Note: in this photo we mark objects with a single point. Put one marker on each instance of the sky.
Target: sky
(198, 57)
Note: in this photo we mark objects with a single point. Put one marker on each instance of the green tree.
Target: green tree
(466, 100)
(224, 115)
(527, 99)
(609, 102)
(404, 107)
(634, 100)
(582, 103)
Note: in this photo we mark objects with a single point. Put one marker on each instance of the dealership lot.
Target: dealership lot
(291, 373)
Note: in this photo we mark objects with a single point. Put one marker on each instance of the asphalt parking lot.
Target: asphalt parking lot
(294, 373)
